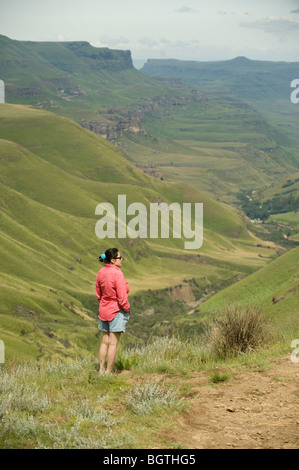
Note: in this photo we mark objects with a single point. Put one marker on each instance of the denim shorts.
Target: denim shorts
(117, 324)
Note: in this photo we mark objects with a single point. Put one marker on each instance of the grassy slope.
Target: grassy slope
(287, 186)
(274, 288)
(50, 187)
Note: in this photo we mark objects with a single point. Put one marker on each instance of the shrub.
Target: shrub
(145, 398)
(19, 426)
(85, 410)
(238, 331)
(125, 360)
(219, 377)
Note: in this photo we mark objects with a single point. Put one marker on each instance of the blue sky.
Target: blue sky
(180, 29)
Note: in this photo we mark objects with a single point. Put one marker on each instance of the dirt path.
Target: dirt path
(252, 410)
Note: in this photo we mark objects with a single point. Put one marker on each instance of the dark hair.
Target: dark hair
(110, 254)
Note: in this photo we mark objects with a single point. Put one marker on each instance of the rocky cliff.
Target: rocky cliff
(113, 121)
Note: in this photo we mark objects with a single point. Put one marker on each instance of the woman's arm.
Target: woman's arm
(121, 292)
(98, 290)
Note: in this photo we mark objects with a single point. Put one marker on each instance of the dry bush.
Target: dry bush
(238, 331)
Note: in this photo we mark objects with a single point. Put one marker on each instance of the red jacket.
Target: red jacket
(112, 292)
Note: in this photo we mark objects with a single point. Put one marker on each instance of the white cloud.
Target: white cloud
(61, 38)
(186, 9)
(280, 26)
(152, 47)
(224, 12)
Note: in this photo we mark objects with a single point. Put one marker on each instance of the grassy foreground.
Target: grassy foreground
(68, 405)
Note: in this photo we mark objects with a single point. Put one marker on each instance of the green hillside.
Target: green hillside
(274, 288)
(248, 75)
(287, 186)
(53, 175)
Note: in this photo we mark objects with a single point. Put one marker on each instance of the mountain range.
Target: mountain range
(221, 132)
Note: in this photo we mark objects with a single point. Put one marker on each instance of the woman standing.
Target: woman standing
(112, 293)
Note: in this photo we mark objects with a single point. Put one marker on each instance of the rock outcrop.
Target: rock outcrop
(113, 121)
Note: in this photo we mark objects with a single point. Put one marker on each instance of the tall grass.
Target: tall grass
(146, 398)
(164, 355)
(239, 331)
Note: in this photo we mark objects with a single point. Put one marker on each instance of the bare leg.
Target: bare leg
(103, 351)
(113, 342)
